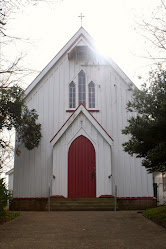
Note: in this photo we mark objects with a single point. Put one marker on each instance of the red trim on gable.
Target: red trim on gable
(100, 125)
(72, 45)
(64, 124)
(75, 42)
(64, 53)
(88, 110)
(93, 110)
(70, 110)
(72, 115)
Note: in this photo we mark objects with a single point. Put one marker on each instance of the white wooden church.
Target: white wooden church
(81, 99)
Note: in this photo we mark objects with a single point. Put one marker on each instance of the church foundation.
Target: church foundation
(41, 204)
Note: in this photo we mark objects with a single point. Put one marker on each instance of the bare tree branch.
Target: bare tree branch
(153, 30)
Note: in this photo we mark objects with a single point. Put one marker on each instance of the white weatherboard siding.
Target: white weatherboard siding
(49, 95)
(10, 174)
(10, 183)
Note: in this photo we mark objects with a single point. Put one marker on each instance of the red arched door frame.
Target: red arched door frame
(81, 168)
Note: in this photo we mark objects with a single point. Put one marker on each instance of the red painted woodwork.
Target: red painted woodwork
(89, 110)
(81, 169)
(70, 118)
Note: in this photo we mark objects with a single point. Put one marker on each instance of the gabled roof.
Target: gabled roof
(70, 120)
(81, 33)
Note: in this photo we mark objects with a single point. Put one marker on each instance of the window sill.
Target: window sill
(89, 110)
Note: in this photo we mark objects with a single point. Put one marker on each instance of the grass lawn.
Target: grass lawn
(158, 215)
(7, 216)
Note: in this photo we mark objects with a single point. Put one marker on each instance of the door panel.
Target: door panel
(81, 168)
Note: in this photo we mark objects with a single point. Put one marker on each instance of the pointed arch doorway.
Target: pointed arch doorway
(81, 169)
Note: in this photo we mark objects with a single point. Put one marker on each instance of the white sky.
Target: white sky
(50, 24)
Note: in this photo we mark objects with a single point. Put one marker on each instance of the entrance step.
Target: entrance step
(82, 204)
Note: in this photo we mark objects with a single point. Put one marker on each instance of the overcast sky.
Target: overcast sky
(47, 26)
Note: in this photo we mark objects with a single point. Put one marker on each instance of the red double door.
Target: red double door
(81, 169)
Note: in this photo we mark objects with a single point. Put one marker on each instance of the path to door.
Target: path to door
(82, 230)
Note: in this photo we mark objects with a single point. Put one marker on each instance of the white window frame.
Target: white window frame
(88, 80)
(89, 95)
(82, 100)
(72, 96)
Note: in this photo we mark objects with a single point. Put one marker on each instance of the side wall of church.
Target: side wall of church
(50, 98)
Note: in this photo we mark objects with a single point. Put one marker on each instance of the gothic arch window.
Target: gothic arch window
(72, 95)
(81, 88)
(91, 88)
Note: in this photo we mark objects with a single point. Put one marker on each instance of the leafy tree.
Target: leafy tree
(13, 111)
(148, 127)
(3, 198)
(15, 114)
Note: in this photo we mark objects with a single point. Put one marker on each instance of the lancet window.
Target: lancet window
(81, 88)
(91, 88)
(72, 95)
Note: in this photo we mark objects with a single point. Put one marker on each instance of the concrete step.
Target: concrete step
(62, 208)
(82, 204)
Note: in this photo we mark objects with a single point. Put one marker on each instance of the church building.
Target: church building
(80, 97)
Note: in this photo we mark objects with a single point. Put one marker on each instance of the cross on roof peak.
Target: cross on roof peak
(81, 16)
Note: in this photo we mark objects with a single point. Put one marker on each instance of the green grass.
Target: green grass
(158, 215)
(6, 216)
